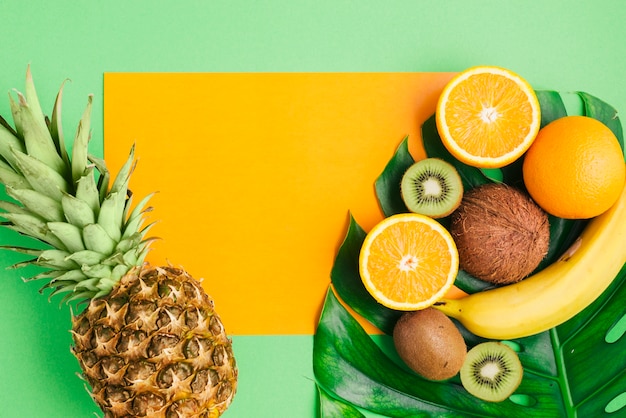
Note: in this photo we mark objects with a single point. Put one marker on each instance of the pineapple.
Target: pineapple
(148, 339)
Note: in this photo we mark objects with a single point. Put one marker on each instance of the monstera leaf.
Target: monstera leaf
(577, 369)
(332, 407)
(564, 371)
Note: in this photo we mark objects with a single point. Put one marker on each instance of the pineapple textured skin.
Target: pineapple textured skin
(149, 341)
(155, 347)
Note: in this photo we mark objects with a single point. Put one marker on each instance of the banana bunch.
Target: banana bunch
(555, 294)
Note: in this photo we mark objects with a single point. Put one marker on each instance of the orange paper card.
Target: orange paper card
(256, 174)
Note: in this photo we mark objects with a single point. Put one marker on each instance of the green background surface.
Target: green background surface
(561, 45)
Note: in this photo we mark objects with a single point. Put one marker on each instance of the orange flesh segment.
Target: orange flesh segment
(494, 125)
(409, 265)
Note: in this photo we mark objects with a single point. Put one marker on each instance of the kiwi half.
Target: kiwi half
(491, 371)
(432, 187)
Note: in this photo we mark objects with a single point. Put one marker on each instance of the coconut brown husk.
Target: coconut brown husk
(500, 233)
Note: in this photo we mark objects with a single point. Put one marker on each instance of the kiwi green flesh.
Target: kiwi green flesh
(431, 187)
(491, 371)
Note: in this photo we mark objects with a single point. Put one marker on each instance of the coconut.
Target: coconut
(500, 232)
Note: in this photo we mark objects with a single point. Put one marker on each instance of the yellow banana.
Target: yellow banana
(556, 293)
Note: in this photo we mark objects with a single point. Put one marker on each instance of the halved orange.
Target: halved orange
(488, 116)
(408, 261)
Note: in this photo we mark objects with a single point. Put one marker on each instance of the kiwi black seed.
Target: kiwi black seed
(432, 187)
(492, 371)
(429, 343)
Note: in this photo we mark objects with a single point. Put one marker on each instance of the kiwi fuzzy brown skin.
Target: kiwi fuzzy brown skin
(431, 187)
(430, 344)
(501, 234)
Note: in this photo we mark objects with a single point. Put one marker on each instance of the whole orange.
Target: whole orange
(575, 168)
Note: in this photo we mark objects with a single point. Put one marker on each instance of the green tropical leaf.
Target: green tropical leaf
(604, 112)
(495, 175)
(349, 364)
(347, 282)
(590, 349)
(333, 408)
(470, 284)
(387, 185)
(562, 375)
(551, 105)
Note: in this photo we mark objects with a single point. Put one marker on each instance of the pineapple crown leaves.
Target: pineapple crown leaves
(87, 233)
